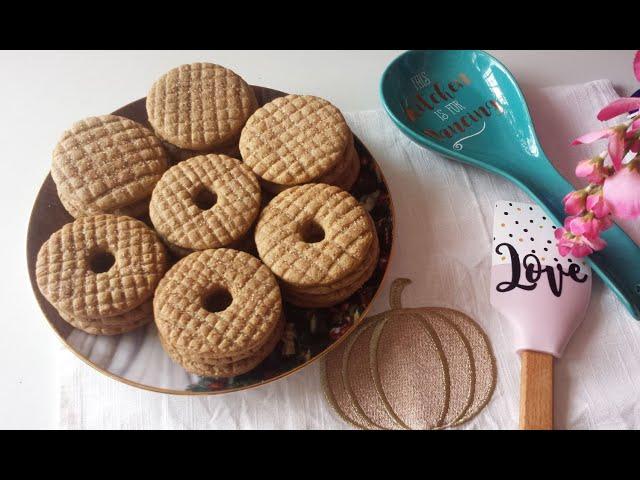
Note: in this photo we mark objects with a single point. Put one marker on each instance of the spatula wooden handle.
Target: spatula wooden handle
(536, 391)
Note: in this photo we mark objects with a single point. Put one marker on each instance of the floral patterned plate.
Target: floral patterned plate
(137, 358)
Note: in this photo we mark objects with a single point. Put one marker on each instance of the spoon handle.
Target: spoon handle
(536, 391)
(618, 264)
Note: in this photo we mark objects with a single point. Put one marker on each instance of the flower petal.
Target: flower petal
(616, 150)
(581, 250)
(585, 168)
(574, 202)
(593, 136)
(564, 250)
(597, 205)
(622, 193)
(636, 65)
(618, 107)
(596, 243)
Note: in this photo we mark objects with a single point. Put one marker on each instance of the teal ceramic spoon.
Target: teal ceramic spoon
(465, 105)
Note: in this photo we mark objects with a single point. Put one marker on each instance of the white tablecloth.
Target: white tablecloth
(444, 232)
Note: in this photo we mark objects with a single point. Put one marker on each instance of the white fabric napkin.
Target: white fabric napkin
(444, 213)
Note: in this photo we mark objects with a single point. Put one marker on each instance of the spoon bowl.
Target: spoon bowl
(466, 105)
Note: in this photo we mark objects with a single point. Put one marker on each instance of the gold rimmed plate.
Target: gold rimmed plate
(137, 358)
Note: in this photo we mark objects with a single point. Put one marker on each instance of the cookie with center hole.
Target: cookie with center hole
(314, 235)
(208, 201)
(216, 304)
(100, 266)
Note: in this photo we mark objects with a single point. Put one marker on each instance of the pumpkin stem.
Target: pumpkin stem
(395, 292)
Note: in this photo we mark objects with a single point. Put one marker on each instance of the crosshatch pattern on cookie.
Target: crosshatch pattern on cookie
(114, 325)
(217, 360)
(356, 276)
(294, 139)
(133, 316)
(226, 369)
(200, 105)
(313, 299)
(107, 162)
(306, 300)
(245, 324)
(347, 229)
(310, 300)
(65, 277)
(345, 174)
(178, 218)
(136, 210)
(345, 282)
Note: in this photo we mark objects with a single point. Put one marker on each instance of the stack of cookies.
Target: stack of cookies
(100, 272)
(107, 164)
(320, 243)
(298, 139)
(219, 312)
(200, 108)
(207, 201)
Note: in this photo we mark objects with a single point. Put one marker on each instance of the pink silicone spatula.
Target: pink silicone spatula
(543, 295)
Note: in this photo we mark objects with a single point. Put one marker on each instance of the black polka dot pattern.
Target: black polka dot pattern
(538, 236)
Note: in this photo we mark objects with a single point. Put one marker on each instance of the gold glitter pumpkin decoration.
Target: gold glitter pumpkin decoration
(411, 368)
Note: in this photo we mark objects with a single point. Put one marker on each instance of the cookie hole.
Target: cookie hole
(312, 232)
(205, 199)
(217, 300)
(101, 262)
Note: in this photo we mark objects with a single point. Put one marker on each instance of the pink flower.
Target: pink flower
(577, 245)
(622, 191)
(597, 205)
(587, 225)
(616, 136)
(564, 244)
(578, 225)
(574, 202)
(636, 65)
(619, 107)
(593, 170)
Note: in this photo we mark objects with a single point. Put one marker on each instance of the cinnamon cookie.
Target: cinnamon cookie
(216, 368)
(294, 140)
(330, 295)
(346, 175)
(200, 106)
(107, 164)
(136, 210)
(314, 235)
(217, 305)
(208, 201)
(100, 266)
(116, 324)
